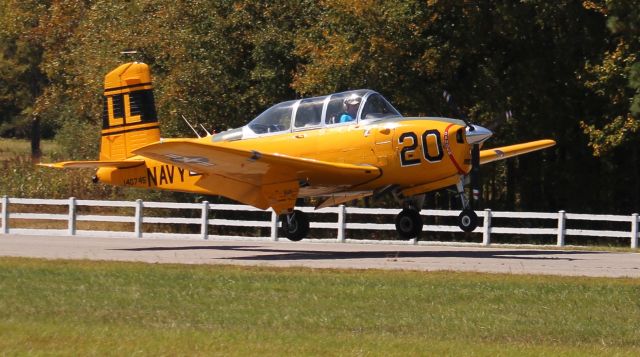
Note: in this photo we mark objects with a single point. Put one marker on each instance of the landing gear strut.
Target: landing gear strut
(468, 219)
(295, 225)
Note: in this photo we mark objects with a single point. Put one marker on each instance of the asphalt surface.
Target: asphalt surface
(327, 255)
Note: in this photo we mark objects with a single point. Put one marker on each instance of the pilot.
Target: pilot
(351, 105)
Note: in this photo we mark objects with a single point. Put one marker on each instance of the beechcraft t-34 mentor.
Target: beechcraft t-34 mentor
(338, 147)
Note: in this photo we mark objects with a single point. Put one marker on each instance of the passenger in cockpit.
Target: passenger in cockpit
(351, 105)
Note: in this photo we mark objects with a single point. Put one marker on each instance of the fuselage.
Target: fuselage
(408, 152)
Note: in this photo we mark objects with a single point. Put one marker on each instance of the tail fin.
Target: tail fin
(129, 119)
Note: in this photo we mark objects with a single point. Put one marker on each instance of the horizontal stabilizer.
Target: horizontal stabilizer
(505, 152)
(93, 164)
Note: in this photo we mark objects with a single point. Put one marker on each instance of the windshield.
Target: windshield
(377, 107)
(274, 119)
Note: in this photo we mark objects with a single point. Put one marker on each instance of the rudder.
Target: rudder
(129, 119)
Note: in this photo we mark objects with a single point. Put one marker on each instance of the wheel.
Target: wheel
(295, 226)
(408, 223)
(468, 220)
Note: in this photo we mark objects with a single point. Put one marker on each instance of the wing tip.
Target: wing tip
(50, 165)
(92, 164)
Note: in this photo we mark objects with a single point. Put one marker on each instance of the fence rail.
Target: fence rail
(342, 227)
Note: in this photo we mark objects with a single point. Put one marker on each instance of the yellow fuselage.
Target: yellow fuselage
(423, 153)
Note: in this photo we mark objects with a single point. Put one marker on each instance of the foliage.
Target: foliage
(567, 70)
(22, 178)
(617, 78)
(21, 80)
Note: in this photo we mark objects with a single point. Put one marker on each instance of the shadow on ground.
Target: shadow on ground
(269, 254)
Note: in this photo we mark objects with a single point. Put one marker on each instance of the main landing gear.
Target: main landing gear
(409, 221)
(295, 225)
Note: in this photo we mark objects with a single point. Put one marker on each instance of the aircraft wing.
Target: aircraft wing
(505, 152)
(93, 164)
(255, 167)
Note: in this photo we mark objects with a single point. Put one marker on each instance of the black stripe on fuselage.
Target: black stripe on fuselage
(125, 130)
(106, 91)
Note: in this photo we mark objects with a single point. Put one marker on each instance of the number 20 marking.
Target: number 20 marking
(407, 152)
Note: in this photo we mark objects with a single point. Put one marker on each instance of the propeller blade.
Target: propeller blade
(508, 115)
(476, 185)
(448, 98)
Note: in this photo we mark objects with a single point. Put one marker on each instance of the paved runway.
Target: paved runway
(326, 255)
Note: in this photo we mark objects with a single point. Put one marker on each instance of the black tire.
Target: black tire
(468, 220)
(299, 227)
(408, 223)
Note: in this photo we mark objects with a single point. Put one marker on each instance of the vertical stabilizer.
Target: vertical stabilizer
(129, 120)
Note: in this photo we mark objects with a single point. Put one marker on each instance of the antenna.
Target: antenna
(133, 54)
(205, 130)
(192, 128)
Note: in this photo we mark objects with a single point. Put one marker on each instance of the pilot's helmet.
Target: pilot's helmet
(353, 99)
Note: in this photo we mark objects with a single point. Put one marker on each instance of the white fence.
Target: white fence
(343, 228)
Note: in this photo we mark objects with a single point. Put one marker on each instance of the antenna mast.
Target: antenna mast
(192, 128)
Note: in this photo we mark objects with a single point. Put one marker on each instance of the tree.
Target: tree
(614, 78)
(566, 70)
(21, 80)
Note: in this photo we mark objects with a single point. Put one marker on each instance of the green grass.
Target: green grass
(80, 308)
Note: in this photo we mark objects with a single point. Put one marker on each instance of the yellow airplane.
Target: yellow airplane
(338, 147)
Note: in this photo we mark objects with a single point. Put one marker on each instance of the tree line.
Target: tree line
(566, 70)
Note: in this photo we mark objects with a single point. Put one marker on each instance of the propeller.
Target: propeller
(476, 180)
(456, 112)
(475, 138)
(508, 115)
(476, 135)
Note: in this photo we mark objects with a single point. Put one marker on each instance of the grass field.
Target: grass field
(100, 308)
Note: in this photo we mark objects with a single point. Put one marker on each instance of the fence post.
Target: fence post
(634, 231)
(486, 228)
(562, 220)
(274, 226)
(137, 225)
(72, 216)
(204, 230)
(342, 224)
(5, 214)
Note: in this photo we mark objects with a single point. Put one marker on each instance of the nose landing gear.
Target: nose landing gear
(468, 219)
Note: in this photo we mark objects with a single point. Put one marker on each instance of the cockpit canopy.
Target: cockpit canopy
(330, 110)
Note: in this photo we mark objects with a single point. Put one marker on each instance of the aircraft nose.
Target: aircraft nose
(478, 134)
